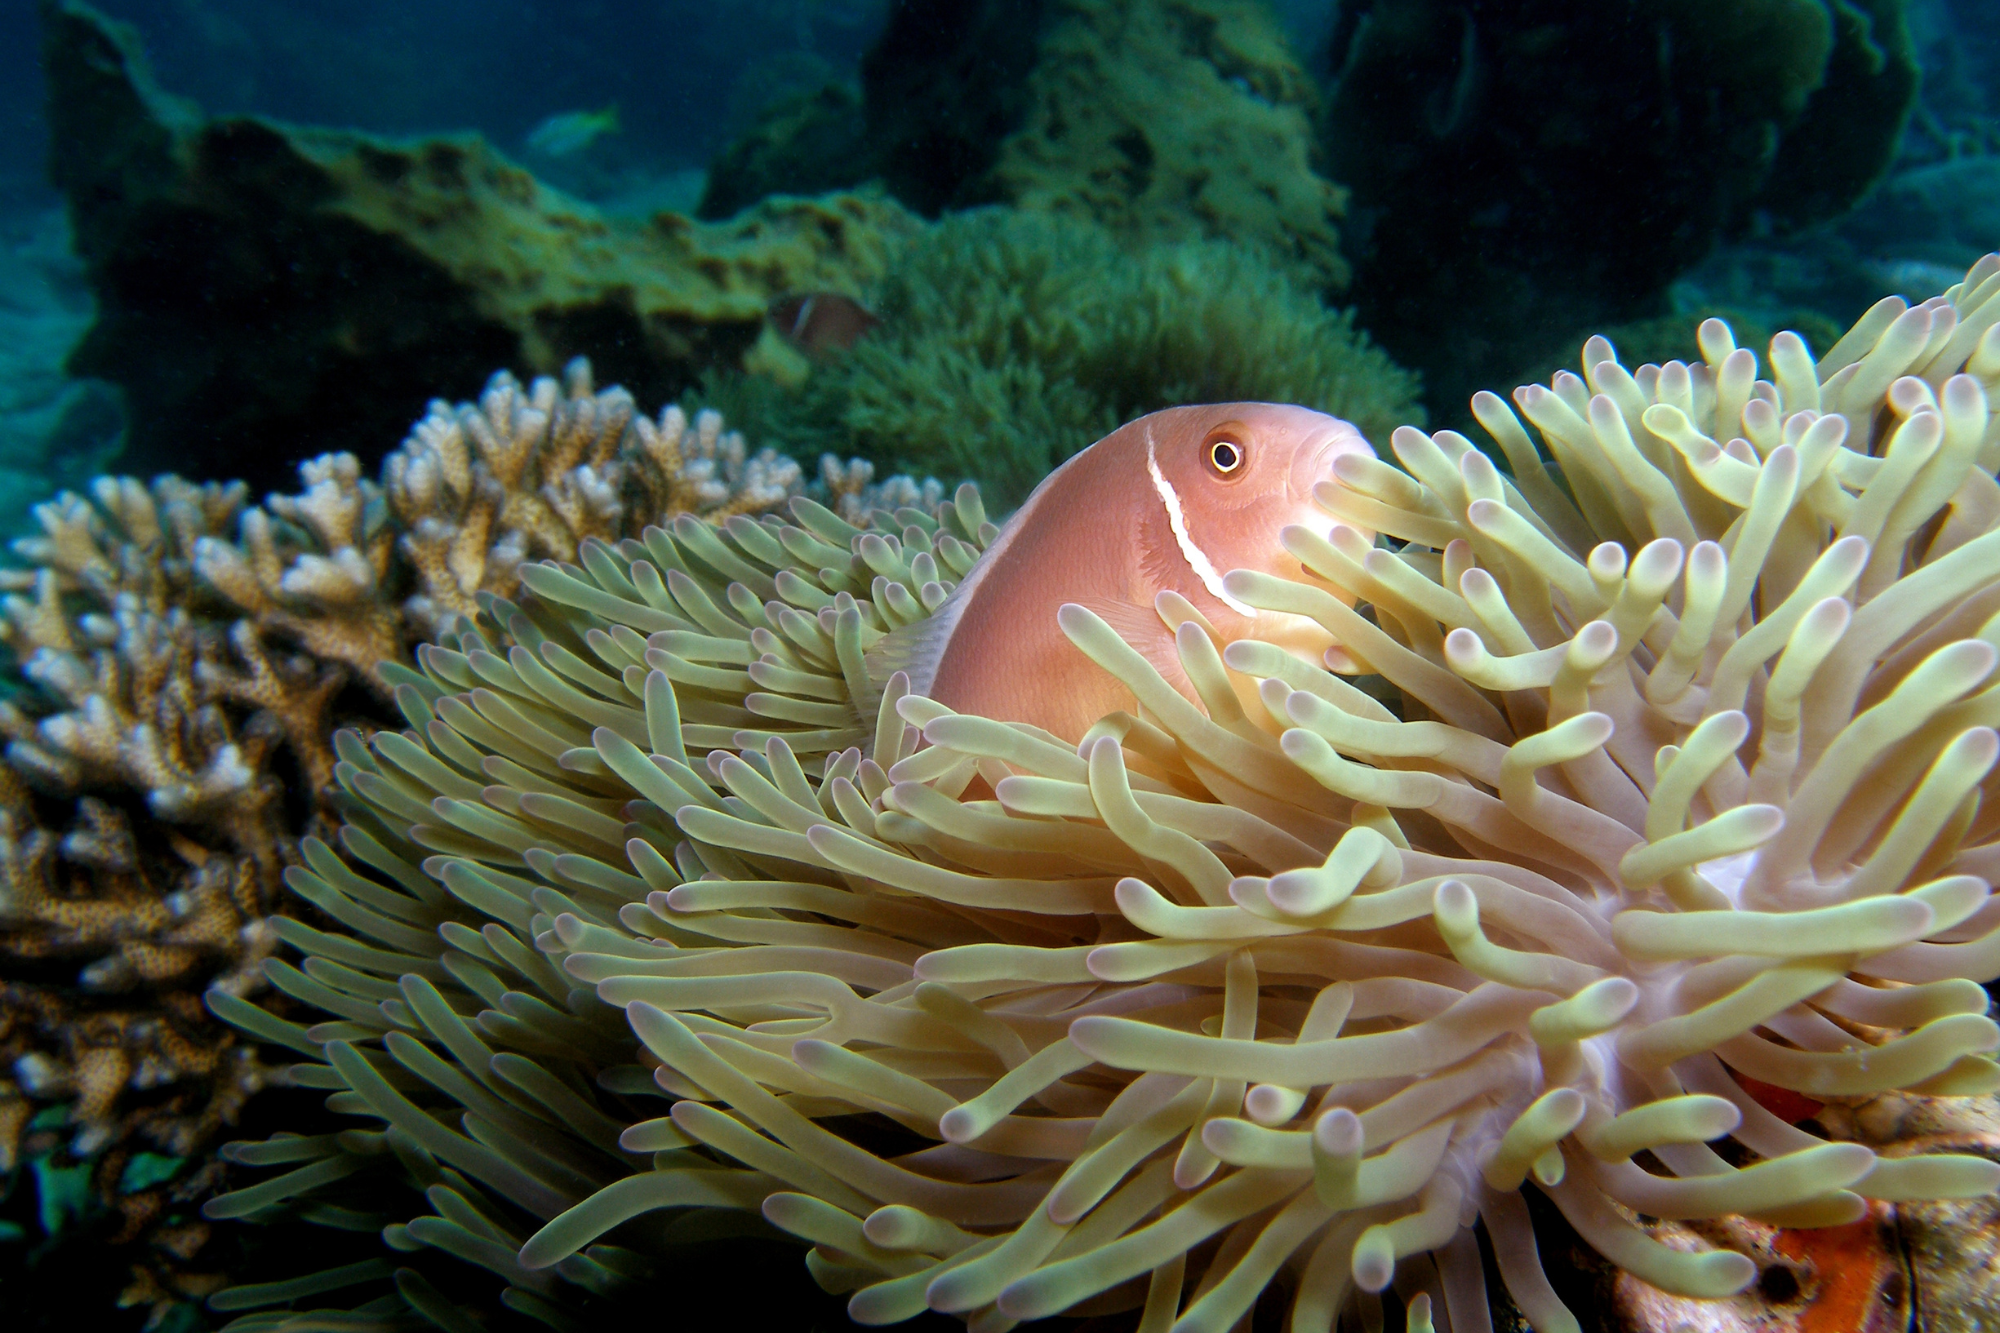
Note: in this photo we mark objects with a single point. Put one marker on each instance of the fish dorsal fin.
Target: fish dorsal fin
(915, 649)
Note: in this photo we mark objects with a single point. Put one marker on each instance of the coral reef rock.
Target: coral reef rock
(1650, 791)
(1172, 119)
(1472, 137)
(1161, 119)
(266, 293)
(804, 143)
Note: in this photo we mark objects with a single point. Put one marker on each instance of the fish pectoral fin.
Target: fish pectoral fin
(1142, 628)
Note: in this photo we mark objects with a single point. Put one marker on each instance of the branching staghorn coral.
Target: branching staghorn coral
(95, 896)
(1683, 783)
(115, 630)
(184, 653)
(161, 724)
(527, 472)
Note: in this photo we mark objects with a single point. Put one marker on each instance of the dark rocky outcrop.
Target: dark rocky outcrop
(266, 293)
(1524, 172)
(1160, 119)
(944, 84)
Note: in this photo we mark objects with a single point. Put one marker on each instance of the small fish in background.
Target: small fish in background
(569, 132)
(821, 324)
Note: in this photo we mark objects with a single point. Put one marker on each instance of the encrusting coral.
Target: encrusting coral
(185, 656)
(1680, 792)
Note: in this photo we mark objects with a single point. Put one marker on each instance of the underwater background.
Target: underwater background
(1475, 183)
(953, 239)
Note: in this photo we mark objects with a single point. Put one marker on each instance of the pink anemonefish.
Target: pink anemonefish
(1166, 504)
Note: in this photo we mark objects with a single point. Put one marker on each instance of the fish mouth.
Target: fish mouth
(1313, 462)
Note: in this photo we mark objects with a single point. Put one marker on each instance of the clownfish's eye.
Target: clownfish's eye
(1226, 457)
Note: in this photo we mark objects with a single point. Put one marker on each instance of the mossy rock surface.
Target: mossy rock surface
(1160, 119)
(267, 293)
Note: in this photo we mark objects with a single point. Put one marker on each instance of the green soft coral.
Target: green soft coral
(1012, 339)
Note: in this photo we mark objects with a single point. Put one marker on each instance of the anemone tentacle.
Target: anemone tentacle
(1673, 776)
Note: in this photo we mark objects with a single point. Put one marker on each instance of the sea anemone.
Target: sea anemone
(1645, 777)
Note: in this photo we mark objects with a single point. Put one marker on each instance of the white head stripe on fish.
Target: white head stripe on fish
(1204, 568)
(1091, 535)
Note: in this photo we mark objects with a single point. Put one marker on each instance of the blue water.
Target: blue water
(683, 74)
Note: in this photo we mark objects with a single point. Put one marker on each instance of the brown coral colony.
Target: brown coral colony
(190, 654)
